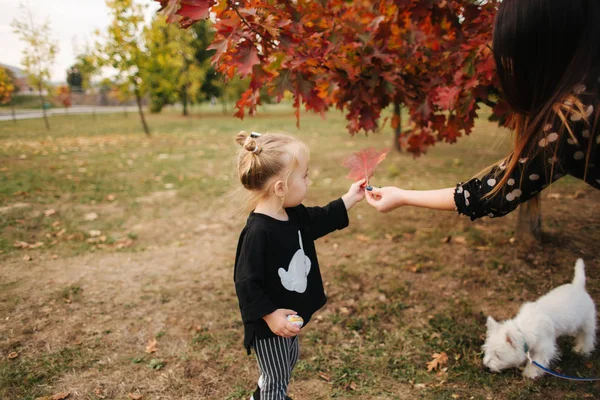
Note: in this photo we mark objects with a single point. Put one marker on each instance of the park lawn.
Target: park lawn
(110, 240)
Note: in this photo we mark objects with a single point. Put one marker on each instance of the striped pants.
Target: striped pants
(276, 357)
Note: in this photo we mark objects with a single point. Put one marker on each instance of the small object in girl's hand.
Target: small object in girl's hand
(295, 320)
(369, 188)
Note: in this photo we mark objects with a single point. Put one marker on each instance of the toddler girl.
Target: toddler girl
(276, 267)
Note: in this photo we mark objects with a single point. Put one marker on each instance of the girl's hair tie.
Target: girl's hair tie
(254, 135)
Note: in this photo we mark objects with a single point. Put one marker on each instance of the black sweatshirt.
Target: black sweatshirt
(276, 265)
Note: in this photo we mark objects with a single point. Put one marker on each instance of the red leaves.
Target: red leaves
(447, 97)
(247, 57)
(361, 57)
(186, 11)
(363, 163)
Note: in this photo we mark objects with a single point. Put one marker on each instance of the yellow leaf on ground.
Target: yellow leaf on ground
(439, 360)
(134, 396)
(13, 355)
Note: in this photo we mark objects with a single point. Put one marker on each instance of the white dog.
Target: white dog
(566, 310)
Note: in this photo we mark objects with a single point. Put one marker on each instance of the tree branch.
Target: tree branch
(234, 6)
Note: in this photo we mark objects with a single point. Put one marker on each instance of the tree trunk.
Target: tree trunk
(184, 101)
(397, 129)
(529, 224)
(224, 104)
(14, 114)
(44, 107)
(138, 100)
(184, 88)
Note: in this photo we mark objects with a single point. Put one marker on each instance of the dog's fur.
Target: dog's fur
(566, 310)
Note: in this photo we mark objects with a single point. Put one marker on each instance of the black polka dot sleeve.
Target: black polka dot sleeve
(556, 153)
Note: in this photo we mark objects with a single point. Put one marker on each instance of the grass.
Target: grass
(137, 243)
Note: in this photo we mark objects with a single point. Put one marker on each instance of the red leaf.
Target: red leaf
(363, 163)
(195, 9)
(446, 97)
(247, 58)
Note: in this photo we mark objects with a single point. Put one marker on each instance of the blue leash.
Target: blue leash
(556, 374)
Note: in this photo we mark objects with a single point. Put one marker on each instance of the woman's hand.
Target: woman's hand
(389, 198)
(385, 199)
(279, 324)
(355, 194)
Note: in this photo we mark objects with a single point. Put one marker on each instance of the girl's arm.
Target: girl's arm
(389, 198)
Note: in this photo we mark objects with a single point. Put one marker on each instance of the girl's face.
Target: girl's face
(297, 183)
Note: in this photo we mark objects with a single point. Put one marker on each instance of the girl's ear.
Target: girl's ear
(279, 189)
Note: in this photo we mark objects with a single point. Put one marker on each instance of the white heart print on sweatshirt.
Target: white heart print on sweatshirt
(295, 279)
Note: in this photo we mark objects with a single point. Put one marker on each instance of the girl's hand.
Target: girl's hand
(355, 194)
(279, 324)
(385, 199)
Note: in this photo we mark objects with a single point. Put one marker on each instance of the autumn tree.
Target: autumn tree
(172, 72)
(84, 68)
(38, 55)
(123, 49)
(431, 57)
(63, 93)
(7, 88)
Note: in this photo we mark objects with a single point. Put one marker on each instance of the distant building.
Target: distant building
(21, 80)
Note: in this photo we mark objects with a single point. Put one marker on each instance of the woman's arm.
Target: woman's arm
(389, 198)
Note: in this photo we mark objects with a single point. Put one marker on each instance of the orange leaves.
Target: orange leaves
(186, 12)
(431, 57)
(438, 362)
(152, 345)
(57, 396)
(64, 95)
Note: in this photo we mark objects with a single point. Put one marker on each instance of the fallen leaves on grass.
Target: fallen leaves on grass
(57, 396)
(324, 376)
(13, 355)
(362, 238)
(439, 361)
(90, 216)
(24, 245)
(49, 212)
(135, 396)
(151, 347)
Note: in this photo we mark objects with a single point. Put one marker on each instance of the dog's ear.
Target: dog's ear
(492, 325)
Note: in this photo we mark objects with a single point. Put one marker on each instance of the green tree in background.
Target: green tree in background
(124, 50)
(172, 73)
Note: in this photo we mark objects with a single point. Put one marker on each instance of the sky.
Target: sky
(72, 22)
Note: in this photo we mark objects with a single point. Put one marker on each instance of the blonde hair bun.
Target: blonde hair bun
(248, 143)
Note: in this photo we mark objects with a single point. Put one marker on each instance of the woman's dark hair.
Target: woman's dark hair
(543, 50)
